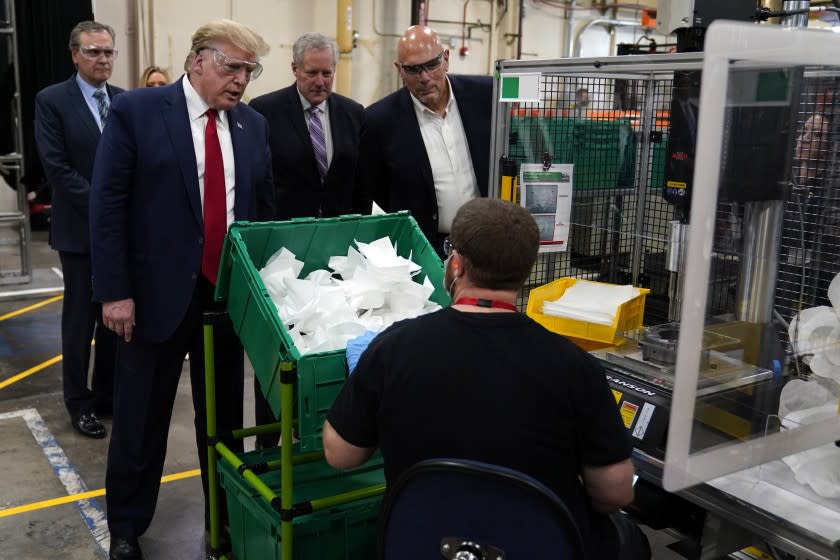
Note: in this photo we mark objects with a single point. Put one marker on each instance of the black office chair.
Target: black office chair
(459, 509)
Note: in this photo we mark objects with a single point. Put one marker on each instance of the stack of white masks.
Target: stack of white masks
(365, 290)
(815, 335)
(592, 302)
(807, 402)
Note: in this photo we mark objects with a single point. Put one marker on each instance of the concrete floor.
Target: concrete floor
(42, 458)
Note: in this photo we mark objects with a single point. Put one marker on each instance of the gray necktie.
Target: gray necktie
(319, 144)
(102, 104)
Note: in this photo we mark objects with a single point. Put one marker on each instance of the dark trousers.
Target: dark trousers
(144, 393)
(81, 320)
(632, 542)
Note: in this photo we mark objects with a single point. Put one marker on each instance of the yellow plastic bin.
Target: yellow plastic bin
(589, 336)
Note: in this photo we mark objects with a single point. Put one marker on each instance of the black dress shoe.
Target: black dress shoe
(89, 425)
(125, 549)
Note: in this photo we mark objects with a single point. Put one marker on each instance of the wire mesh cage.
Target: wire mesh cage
(613, 120)
(612, 123)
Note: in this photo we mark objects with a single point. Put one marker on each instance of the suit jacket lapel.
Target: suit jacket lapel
(82, 110)
(295, 112)
(339, 127)
(294, 109)
(242, 177)
(407, 120)
(468, 119)
(177, 123)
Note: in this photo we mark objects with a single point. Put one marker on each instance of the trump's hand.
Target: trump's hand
(118, 316)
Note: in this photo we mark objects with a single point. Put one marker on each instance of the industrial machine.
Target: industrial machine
(731, 390)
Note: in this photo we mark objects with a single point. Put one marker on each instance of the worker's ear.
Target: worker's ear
(457, 264)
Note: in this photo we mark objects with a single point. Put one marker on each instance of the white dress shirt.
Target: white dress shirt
(196, 109)
(449, 156)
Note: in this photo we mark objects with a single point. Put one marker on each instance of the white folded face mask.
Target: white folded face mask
(367, 289)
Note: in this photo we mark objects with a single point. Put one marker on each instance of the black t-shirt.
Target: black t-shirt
(492, 387)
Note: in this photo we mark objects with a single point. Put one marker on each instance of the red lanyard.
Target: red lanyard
(485, 303)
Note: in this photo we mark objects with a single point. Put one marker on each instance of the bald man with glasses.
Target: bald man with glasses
(426, 147)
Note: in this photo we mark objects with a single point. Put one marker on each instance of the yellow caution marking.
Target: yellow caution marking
(628, 413)
(30, 371)
(32, 307)
(756, 553)
(43, 504)
(617, 395)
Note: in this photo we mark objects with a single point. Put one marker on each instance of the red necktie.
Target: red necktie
(215, 208)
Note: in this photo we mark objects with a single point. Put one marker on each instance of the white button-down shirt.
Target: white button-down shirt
(449, 156)
(196, 110)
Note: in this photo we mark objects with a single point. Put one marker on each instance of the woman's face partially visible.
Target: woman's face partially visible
(156, 79)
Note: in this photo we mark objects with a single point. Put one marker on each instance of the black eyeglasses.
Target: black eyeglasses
(429, 66)
(448, 247)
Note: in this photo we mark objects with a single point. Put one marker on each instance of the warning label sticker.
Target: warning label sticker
(644, 420)
(628, 413)
(617, 395)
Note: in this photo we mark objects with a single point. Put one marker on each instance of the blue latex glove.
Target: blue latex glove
(355, 348)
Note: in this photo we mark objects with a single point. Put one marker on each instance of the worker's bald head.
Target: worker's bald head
(423, 62)
(418, 41)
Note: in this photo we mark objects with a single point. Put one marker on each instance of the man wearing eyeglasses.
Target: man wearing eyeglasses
(426, 147)
(176, 166)
(69, 117)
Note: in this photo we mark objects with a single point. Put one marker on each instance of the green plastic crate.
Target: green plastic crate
(658, 160)
(320, 376)
(346, 532)
(604, 154)
(603, 151)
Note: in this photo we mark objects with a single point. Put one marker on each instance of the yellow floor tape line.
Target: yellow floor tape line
(34, 369)
(85, 495)
(30, 371)
(32, 307)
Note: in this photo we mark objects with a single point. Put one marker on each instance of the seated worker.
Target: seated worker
(154, 76)
(581, 105)
(481, 381)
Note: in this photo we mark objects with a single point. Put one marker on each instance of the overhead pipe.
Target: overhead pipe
(570, 41)
(799, 19)
(601, 22)
(464, 49)
(491, 56)
(374, 20)
(344, 38)
(419, 11)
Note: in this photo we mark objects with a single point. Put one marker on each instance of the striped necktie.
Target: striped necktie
(102, 104)
(319, 144)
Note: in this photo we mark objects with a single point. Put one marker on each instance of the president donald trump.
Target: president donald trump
(175, 166)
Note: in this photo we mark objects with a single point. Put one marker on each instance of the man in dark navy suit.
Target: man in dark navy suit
(302, 186)
(69, 118)
(313, 172)
(176, 166)
(426, 147)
